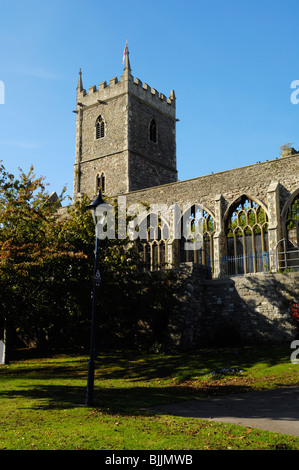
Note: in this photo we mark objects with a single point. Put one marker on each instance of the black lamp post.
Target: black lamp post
(98, 218)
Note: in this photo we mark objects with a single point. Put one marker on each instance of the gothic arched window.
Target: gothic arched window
(100, 128)
(152, 250)
(197, 231)
(153, 131)
(246, 237)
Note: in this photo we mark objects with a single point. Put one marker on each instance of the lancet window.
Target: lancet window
(153, 131)
(292, 224)
(291, 257)
(101, 182)
(208, 234)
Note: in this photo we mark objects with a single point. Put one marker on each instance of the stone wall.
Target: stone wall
(252, 180)
(241, 310)
(111, 167)
(142, 169)
(162, 152)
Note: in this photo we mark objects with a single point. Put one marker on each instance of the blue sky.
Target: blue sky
(230, 62)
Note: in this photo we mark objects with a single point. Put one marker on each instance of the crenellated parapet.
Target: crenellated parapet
(126, 84)
(153, 97)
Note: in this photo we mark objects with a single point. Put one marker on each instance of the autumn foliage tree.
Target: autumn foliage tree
(39, 266)
(46, 267)
(46, 271)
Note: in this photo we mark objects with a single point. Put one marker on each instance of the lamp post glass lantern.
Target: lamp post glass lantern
(98, 218)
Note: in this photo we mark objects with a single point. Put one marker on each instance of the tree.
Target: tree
(37, 265)
(46, 271)
(46, 262)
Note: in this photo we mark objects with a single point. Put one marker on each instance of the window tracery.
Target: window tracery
(152, 251)
(246, 237)
(196, 244)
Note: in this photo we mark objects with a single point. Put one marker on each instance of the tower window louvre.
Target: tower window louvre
(100, 128)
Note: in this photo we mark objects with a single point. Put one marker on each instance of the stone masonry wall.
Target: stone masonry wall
(114, 114)
(112, 167)
(142, 169)
(248, 309)
(252, 180)
(161, 153)
(108, 154)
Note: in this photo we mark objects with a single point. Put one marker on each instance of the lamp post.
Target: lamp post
(98, 218)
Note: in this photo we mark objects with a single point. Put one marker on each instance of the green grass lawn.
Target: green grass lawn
(42, 400)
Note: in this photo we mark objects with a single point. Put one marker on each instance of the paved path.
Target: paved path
(271, 410)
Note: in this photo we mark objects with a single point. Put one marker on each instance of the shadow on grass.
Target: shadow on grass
(130, 400)
(138, 367)
(60, 382)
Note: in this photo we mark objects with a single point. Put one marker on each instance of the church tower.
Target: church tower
(125, 137)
